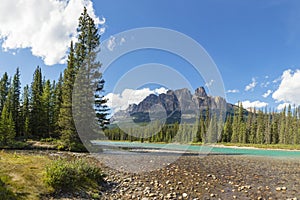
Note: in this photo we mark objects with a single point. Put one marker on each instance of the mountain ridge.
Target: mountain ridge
(175, 105)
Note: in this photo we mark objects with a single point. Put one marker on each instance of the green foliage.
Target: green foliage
(7, 127)
(65, 175)
(5, 193)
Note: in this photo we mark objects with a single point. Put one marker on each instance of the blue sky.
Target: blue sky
(255, 44)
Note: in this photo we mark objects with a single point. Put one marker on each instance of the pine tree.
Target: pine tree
(16, 86)
(274, 129)
(253, 129)
(7, 125)
(25, 113)
(282, 129)
(57, 103)
(65, 121)
(235, 129)
(227, 130)
(36, 119)
(260, 128)
(4, 84)
(89, 109)
(47, 110)
(289, 125)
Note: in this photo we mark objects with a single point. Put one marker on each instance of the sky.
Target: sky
(254, 44)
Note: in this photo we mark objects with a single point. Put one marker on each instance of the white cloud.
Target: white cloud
(289, 88)
(264, 85)
(276, 80)
(160, 90)
(130, 96)
(209, 83)
(254, 104)
(251, 85)
(46, 27)
(233, 91)
(282, 106)
(265, 95)
(123, 40)
(111, 44)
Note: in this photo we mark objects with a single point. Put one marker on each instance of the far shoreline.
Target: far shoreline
(265, 147)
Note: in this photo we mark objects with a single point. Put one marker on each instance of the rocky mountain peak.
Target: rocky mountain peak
(200, 92)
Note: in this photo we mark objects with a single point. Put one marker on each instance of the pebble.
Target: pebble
(281, 188)
(184, 195)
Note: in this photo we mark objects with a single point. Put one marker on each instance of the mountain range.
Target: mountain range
(174, 106)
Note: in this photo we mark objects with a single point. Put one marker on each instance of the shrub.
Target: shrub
(65, 175)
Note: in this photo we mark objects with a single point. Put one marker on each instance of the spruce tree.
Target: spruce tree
(7, 124)
(4, 84)
(25, 113)
(88, 102)
(16, 86)
(65, 121)
(57, 100)
(46, 114)
(36, 106)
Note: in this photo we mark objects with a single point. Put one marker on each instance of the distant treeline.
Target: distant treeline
(254, 127)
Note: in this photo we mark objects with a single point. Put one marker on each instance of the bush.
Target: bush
(65, 175)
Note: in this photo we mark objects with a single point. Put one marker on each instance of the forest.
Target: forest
(246, 127)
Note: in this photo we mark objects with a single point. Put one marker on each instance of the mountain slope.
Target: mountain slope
(174, 106)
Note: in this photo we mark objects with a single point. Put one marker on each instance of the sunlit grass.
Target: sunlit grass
(23, 174)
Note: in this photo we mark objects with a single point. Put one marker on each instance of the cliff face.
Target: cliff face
(175, 105)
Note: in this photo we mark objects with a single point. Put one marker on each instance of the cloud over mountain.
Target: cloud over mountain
(130, 96)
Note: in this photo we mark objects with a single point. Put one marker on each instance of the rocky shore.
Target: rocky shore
(208, 177)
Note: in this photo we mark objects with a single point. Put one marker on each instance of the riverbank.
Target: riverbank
(189, 176)
(209, 177)
(263, 147)
(260, 146)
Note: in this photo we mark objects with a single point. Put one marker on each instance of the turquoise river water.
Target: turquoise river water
(198, 149)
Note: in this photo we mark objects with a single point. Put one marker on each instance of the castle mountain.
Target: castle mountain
(175, 106)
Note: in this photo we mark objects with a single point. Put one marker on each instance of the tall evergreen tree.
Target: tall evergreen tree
(36, 106)
(90, 104)
(57, 100)
(47, 110)
(4, 84)
(16, 86)
(65, 121)
(7, 124)
(25, 113)
(282, 127)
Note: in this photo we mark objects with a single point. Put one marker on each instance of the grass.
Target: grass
(26, 176)
(22, 175)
